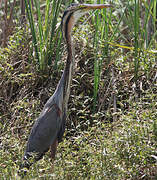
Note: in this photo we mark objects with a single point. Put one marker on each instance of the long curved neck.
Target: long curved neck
(68, 71)
(63, 87)
(64, 84)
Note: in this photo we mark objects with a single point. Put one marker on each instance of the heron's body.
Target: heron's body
(49, 128)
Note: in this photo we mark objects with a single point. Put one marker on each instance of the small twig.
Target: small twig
(105, 95)
(23, 17)
(114, 95)
(155, 77)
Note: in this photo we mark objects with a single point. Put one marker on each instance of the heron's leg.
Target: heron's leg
(54, 149)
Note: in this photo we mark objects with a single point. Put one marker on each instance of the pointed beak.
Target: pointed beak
(96, 6)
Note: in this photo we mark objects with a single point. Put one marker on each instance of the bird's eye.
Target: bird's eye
(73, 4)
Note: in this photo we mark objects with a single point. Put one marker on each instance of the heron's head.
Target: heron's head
(74, 12)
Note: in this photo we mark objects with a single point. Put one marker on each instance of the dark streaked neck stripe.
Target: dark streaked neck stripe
(66, 25)
(65, 21)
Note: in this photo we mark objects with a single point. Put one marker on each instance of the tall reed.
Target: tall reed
(135, 16)
(100, 45)
(43, 30)
(136, 36)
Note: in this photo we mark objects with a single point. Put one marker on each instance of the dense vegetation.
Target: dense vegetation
(111, 130)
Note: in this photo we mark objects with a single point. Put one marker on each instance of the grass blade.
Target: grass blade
(32, 26)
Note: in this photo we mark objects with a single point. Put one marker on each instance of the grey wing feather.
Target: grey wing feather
(44, 131)
(62, 128)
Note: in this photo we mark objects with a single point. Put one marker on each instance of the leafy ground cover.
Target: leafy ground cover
(111, 130)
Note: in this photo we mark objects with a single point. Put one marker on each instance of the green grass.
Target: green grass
(116, 64)
(121, 150)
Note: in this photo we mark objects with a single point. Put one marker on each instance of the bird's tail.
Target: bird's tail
(28, 160)
(25, 165)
